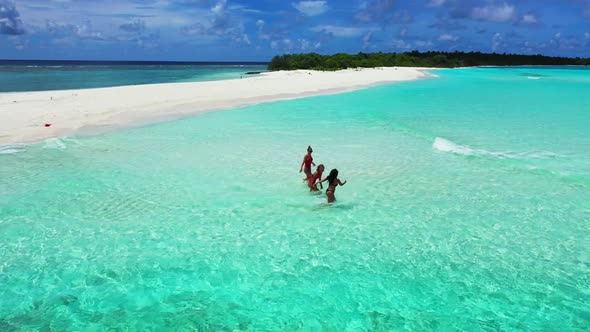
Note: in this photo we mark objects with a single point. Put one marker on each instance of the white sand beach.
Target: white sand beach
(24, 116)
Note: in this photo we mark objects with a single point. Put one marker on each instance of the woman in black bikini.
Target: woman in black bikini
(333, 182)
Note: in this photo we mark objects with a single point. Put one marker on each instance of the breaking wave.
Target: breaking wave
(59, 143)
(445, 145)
(10, 149)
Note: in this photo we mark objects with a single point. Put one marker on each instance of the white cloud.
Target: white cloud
(367, 40)
(109, 15)
(436, 3)
(503, 13)
(497, 42)
(529, 19)
(311, 8)
(567, 42)
(134, 26)
(380, 12)
(261, 34)
(289, 45)
(82, 31)
(86, 31)
(339, 31)
(274, 44)
(400, 44)
(222, 23)
(18, 42)
(219, 7)
(245, 9)
(448, 37)
(532, 46)
(244, 39)
(145, 41)
(556, 40)
(304, 44)
(10, 22)
(422, 44)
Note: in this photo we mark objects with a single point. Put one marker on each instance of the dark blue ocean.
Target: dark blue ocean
(17, 75)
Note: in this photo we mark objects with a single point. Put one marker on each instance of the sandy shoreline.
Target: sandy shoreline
(23, 115)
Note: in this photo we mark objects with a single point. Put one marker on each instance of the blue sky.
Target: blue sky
(256, 30)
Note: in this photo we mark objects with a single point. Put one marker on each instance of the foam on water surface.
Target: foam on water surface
(445, 145)
(60, 143)
(10, 149)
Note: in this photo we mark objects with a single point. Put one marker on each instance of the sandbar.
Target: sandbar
(28, 117)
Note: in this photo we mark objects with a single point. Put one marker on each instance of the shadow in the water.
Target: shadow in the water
(336, 205)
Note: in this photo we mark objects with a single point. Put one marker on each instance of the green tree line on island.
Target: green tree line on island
(414, 59)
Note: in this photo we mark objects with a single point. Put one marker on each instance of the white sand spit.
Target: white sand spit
(24, 115)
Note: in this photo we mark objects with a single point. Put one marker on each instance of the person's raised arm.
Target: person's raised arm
(341, 183)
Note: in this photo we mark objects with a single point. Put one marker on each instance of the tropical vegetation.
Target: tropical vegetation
(414, 59)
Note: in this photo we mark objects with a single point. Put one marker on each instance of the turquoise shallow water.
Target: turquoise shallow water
(467, 208)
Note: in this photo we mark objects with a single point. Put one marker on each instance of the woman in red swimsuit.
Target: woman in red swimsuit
(315, 178)
(333, 182)
(307, 162)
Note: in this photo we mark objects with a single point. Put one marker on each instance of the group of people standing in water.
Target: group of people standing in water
(315, 179)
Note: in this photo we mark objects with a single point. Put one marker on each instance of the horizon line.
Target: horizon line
(144, 61)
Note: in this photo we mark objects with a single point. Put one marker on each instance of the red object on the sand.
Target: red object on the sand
(48, 125)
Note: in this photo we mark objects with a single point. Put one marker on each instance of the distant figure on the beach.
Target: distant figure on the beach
(315, 179)
(306, 164)
(333, 182)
